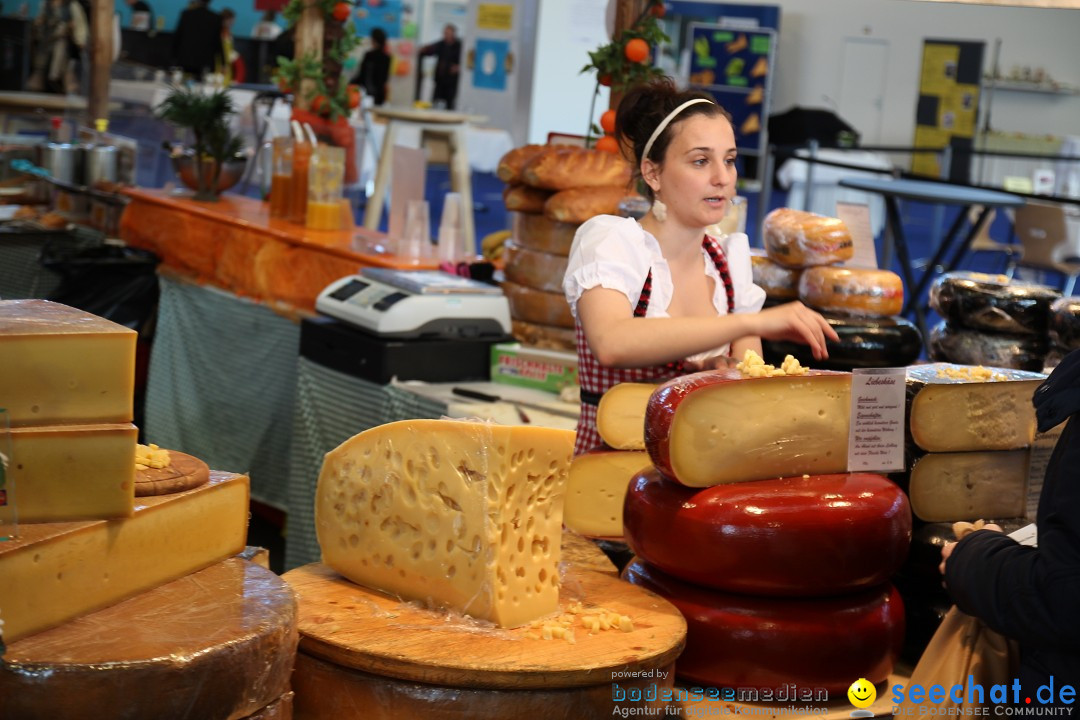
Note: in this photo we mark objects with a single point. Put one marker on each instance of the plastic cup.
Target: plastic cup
(451, 243)
(415, 243)
(326, 182)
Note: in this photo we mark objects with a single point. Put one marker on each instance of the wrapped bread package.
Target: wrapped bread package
(562, 168)
(579, 204)
(796, 239)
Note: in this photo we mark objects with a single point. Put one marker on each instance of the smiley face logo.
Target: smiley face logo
(862, 693)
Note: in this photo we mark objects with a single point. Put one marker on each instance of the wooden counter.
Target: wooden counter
(234, 244)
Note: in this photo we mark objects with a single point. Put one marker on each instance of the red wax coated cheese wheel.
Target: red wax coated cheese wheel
(852, 291)
(719, 427)
(778, 282)
(797, 536)
(795, 238)
(534, 269)
(746, 641)
(537, 306)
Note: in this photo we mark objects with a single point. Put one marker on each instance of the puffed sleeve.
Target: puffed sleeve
(749, 298)
(608, 252)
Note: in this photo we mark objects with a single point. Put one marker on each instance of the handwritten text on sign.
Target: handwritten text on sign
(876, 439)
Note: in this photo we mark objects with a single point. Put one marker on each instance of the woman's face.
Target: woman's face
(697, 180)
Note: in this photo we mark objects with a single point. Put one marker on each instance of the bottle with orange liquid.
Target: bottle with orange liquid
(326, 180)
(298, 190)
(281, 177)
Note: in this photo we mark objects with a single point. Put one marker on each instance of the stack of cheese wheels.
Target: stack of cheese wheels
(991, 320)
(747, 522)
(553, 188)
(1064, 329)
(800, 262)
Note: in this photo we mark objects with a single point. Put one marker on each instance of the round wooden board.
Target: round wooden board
(184, 473)
(358, 628)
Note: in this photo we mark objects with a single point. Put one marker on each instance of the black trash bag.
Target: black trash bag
(113, 282)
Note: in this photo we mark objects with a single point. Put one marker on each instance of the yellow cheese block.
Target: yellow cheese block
(946, 487)
(54, 572)
(73, 472)
(597, 488)
(463, 515)
(62, 365)
(620, 416)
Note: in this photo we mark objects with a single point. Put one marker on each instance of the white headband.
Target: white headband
(667, 121)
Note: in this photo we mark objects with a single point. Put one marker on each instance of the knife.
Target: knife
(484, 397)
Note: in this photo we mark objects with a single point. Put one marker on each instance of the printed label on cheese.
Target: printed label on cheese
(876, 440)
(461, 515)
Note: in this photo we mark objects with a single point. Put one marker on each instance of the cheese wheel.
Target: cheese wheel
(946, 487)
(805, 536)
(216, 644)
(1065, 323)
(795, 239)
(719, 426)
(546, 337)
(778, 282)
(863, 343)
(974, 347)
(992, 302)
(852, 291)
(950, 411)
(537, 306)
(534, 269)
(742, 641)
(620, 416)
(522, 198)
(596, 490)
(537, 232)
(577, 205)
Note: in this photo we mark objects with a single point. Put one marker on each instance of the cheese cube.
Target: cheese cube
(463, 515)
(620, 416)
(596, 490)
(62, 365)
(946, 487)
(73, 472)
(54, 572)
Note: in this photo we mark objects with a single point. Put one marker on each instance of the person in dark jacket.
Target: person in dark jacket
(374, 69)
(197, 41)
(1032, 594)
(447, 66)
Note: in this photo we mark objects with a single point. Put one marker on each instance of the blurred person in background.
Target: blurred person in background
(374, 69)
(447, 54)
(197, 41)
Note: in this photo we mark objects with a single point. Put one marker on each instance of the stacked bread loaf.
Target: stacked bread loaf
(991, 320)
(802, 253)
(745, 520)
(553, 188)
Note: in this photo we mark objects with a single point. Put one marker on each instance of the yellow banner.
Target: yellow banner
(490, 16)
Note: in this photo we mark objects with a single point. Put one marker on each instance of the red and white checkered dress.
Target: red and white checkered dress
(595, 379)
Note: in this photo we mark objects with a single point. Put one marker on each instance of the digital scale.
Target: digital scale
(417, 304)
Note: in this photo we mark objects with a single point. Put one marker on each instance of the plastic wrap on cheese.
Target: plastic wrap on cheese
(863, 343)
(219, 643)
(976, 347)
(852, 291)
(992, 302)
(461, 515)
(778, 282)
(796, 238)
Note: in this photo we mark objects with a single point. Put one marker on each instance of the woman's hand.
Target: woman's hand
(794, 321)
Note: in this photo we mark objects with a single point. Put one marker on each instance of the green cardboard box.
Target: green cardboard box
(548, 370)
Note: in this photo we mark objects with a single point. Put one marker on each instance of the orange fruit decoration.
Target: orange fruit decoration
(320, 105)
(637, 50)
(341, 11)
(607, 144)
(658, 10)
(354, 96)
(607, 122)
(604, 80)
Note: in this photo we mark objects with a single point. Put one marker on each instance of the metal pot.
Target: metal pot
(64, 162)
(101, 162)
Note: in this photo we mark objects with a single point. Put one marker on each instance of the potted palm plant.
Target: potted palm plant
(213, 163)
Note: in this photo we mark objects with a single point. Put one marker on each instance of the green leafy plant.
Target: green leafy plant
(206, 116)
(339, 39)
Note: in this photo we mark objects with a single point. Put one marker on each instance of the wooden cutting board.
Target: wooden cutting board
(354, 627)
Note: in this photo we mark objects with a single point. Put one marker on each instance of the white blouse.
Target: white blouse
(617, 253)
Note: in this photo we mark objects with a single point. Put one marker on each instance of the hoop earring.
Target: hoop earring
(659, 209)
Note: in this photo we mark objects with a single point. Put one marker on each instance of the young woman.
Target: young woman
(659, 297)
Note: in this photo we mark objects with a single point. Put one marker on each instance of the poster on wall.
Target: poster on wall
(947, 111)
(385, 14)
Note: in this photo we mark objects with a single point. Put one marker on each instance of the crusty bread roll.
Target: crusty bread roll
(531, 268)
(562, 168)
(546, 337)
(537, 306)
(539, 232)
(852, 291)
(579, 204)
(794, 238)
(509, 169)
(522, 198)
(778, 282)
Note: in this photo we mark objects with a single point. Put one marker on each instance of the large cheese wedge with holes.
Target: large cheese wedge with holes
(956, 408)
(945, 487)
(464, 515)
(719, 427)
(803, 536)
(62, 365)
(596, 490)
(537, 306)
(54, 572)
(620, 416)
(73, 472)
(742, 641)
(852, 291)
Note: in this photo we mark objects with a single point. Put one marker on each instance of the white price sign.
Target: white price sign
(876, 438)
